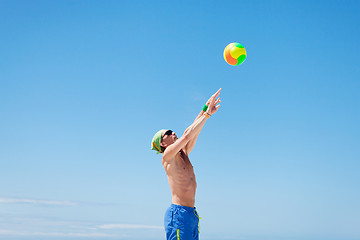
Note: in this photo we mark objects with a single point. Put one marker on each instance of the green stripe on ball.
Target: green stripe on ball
(238, 45)
(241, 59)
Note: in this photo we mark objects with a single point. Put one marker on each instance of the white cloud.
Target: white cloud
(60, 234)
(35, 201)
(128, 226)
(12, 225)
(52, 234)
(34, 225)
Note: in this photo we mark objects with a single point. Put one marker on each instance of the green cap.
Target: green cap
(155, 143)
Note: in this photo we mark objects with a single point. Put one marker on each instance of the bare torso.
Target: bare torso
(181, 178)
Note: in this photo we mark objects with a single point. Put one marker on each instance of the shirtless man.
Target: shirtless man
(181, 219)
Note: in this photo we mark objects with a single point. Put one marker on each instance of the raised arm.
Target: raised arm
(191, 133)
(211, 110)
(174, 148)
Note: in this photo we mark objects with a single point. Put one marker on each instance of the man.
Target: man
(181, 219)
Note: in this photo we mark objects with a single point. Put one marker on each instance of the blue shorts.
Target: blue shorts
(181, 223)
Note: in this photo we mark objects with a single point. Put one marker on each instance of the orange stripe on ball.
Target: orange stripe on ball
(228, 58)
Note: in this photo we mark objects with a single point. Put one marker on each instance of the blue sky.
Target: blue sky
(84, 85)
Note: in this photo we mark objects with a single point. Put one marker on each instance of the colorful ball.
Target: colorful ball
(235, 54)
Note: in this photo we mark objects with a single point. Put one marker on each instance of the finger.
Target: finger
(218, 92)
(213, 100)
(217, 106)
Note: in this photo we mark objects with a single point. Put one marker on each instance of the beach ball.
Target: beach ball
(235, 54)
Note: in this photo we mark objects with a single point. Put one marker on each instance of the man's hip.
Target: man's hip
(181, 223)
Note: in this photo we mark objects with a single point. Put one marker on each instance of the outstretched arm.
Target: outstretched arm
(212, 108)
(174, 148)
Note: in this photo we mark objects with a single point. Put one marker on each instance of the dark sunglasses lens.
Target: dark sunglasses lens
(168, 132)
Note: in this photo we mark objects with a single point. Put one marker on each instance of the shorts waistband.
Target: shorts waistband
(182, 207)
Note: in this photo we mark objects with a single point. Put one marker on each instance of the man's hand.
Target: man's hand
(212, 103)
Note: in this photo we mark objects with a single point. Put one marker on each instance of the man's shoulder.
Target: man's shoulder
(178, 156)
(166, 158)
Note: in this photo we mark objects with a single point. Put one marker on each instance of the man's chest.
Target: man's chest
(182, 162)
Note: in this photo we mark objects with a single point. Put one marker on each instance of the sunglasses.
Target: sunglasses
(168, 132)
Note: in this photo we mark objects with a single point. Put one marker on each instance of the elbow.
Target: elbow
(187, 135)
(187, 130)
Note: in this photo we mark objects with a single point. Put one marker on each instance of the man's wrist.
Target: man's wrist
(205, 107)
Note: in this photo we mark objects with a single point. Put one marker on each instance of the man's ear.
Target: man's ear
(163, 144)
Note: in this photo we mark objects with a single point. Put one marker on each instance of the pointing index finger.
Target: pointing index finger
(218, 92)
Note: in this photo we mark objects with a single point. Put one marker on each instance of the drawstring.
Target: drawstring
(195, 213)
